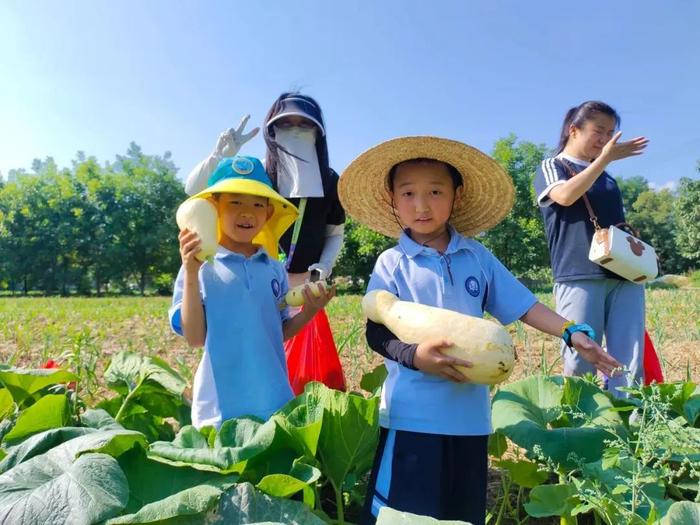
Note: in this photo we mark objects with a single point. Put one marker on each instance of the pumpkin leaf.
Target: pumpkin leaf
(530, 413)
(58, 489)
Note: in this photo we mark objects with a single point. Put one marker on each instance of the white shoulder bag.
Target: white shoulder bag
(619, 249)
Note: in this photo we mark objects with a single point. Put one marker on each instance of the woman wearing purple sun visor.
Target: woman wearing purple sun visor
(297, 163)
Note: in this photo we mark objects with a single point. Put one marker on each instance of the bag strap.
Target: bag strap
(295, 232)
(622, 225)
(591, 213)
(628, 227)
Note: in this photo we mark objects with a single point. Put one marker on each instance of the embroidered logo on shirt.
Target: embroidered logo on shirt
(276, 288)
(243, 166)
(472, 286)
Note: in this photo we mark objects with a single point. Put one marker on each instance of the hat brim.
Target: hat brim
(300, 107)
(283, 216)
(297, 114)
(487, 197)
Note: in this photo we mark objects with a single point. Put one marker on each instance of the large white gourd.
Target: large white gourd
(200, 216)
(486, 344)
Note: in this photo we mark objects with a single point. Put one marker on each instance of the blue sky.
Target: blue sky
(93, 76)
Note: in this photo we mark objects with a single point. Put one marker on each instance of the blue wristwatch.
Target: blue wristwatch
(572, 329)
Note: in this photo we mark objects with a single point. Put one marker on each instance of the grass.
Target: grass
(83, 333)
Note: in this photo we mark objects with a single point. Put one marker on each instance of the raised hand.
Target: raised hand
(190, 244)
(615, 150)
(232, 140)
(429, 358)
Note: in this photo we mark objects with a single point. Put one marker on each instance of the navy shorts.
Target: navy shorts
(429, 474)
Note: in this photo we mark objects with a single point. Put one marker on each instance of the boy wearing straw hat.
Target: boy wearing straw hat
(234, 305)
(432, 194)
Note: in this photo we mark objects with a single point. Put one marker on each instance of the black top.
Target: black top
(569, 228)
(320, 211)
(384, 342)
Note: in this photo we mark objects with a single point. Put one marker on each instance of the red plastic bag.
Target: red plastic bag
(312, 356)
(652, 367)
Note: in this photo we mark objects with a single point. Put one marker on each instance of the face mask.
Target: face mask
(298, 177)
(307, 133)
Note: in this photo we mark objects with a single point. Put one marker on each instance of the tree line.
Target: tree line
(110, 228)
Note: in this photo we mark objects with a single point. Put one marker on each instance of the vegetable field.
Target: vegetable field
(105, 438)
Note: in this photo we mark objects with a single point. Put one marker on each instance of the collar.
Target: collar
(225, 253)
(411, 248)
(580, 162)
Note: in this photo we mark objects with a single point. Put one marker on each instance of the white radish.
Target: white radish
(200, 216)
(486, 344)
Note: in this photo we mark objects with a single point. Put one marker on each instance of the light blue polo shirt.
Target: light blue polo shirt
(243, 370)
(469, 279)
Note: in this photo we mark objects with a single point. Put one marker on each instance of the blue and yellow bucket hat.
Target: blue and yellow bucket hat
(247, 175)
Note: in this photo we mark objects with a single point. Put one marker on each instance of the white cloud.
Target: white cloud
(669, 185)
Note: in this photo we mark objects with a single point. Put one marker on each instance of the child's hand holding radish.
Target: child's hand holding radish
(190, 246)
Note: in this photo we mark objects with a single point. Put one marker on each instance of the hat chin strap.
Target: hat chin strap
(396, 218)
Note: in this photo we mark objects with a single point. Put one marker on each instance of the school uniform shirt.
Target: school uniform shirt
(320, 212)
(243, 370)
(467, 278)
(569, 228)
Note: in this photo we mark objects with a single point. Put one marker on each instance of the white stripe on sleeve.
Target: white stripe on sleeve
(552, 172)
(543, 198)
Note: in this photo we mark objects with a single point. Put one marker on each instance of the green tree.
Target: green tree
(13, 175)
(687, 213)
(149, 193)
(42, 228)
(98, 253)
(90, 226)
(519, 240)
(631, 188)
(23, 230)
(62, 218)
(653, 215)
(360, 250)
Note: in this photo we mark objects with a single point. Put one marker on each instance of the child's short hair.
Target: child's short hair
(456, 176)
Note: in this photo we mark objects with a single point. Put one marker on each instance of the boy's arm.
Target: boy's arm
(426, 356)
(312, 304)
(545, 320)
(385, 343)
(192, 311)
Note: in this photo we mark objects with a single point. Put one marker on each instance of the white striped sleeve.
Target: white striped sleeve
(552, 177)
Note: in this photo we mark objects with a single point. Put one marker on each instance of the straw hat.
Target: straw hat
(487, 197)
(247, 175)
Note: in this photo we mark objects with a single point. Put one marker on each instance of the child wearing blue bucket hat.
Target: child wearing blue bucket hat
(233, 305)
